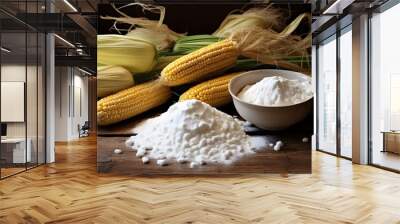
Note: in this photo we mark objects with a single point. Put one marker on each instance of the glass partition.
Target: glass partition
(15, 149)
(22, 88)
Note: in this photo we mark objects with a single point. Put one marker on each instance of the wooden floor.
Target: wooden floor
(71, 191)
(10, 171)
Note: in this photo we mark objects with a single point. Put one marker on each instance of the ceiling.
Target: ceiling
(330, 15)
(22, 20)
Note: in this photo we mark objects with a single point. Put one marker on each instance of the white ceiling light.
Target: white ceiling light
(84, 71)
(5, 50)
(65, 41)
(338, 6)
(79, 51)
(70, 5)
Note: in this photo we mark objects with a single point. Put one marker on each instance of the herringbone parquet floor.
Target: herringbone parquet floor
(71, 191)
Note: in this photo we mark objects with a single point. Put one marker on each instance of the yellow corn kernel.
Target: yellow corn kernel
(131, 102)
(200, 63)
(213, 92)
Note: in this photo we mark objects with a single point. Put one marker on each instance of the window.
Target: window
(385, 89)
(334, 106)
(326, 136)
(346, 92)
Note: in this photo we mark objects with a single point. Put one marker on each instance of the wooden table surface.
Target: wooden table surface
(295, 156)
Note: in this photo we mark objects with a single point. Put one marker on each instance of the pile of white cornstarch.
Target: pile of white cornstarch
(277, 91)
(194, 132)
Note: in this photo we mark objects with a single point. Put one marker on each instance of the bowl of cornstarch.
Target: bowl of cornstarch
(272, 99)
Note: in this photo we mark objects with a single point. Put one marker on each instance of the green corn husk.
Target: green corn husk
(138, 56)
(162, 61)
(188, 44)
(111, 79)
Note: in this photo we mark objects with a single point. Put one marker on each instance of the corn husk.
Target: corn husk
(111, 79)
(164, 61)
(266, 18)
(269, 48)
(276, 48)
(161, 40)
(153, 31)
(153, 74)
(261, 36)
(188, 44)
(138, 56)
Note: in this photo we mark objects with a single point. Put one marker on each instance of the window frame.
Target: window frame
(339, 32)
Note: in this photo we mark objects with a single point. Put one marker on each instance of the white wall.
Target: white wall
(61, 103)
(80, 110)
(71, 87)
(17, 73)
(33, 127)
(14, 73)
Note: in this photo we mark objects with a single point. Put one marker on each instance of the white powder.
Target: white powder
(145, 159)
(117, 151)
(194, 132)
(258, 143)
(276, 91)
(278, 145)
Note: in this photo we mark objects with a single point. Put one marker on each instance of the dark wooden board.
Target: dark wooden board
(295, 157)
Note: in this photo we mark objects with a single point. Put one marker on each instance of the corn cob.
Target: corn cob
(200, 63)
(138, 56)
(214, 92)
(131, 102)
(111, 79)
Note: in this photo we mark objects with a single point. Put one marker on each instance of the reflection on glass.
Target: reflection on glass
(385, 81)
(346, 94)
(327, 96)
